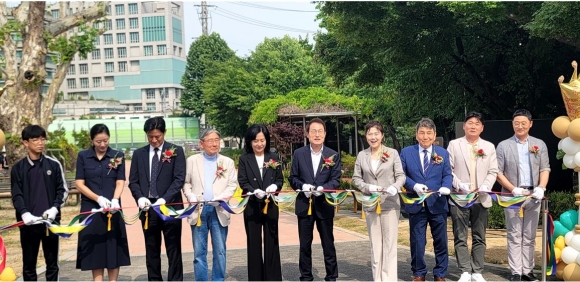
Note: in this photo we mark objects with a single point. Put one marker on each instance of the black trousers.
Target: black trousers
(305, 232)
(268, 269)
(30, 239)
(171, 231)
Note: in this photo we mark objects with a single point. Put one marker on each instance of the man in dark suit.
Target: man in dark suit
(428, 169)
(157, 176)
(315, 168)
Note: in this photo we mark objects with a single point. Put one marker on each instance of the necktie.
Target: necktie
(425, 160)
(154, 173)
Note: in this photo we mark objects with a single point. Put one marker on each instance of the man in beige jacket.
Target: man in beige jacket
(474, 165)
(210, 178)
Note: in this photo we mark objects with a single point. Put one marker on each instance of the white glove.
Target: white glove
(50, 213)
(103, 202)
(308, 188)
(420, 189)
(192, 198)
(517, 192)
(465, 188)
(375, 188)
(259, 193)
(215, 202)
(30, 219)
(97, 210)
(392, 191)
(444, 191)
(318, 191)
(538, 193)
(144, 203)
(159, 202)
(272, 188)
(484, 188)
(115, 205)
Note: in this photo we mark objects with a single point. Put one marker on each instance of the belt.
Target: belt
(527, 187)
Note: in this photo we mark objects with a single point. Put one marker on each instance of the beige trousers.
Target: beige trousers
(383, 229)
(521, 236)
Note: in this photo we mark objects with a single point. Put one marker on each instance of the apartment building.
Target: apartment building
(137, 63)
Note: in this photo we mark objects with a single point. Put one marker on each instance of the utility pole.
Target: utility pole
(204, 16)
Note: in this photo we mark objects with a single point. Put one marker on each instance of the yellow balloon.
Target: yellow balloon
(560, 243)
(560, 269)
(571, 272)
(574, 130)
(558, 254)
(8, 274)
(560, 126)
(2, 139)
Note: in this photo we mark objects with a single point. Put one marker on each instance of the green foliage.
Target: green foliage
(57, 140)
(234, 154)
(346, 185)
(92, 98)
(347, 164)
(496, 219)
(12, 27)
(204, 50)
(82, 138)
(81, 42)
(128, 154)
(560, 154)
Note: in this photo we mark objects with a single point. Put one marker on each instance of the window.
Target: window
(96, 41)
(109, 67)
(151, 106)
(121, 39)
(96, 54)
(161, 50)
(108, 39)
(120, 23)
(84, 82)
(108, 10)
(108, 24)
(55, 14)
(134, 37)
(109, 53)
(153, 28)
(137, 108)
(72, 83)
(96, 82)
(71, 70)
(49, 74)
(82, 58)
(122, 66)
(150, 93)
(133, 23)
(44, 89)
(84, 69)
(19, 54)
(174, 50)
(120, 9)
(96, 25)
(122, 52)
(133, 9)
(148, 50)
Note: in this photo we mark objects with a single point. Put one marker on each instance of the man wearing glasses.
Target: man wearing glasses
(315, 168)
(38, 189)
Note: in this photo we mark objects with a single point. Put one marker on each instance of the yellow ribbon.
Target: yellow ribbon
(521, 211)
(309, 206)
(265, 211)
(146, 220)
(109, 215)
(363, 216)
(378, 211)
(198, 223)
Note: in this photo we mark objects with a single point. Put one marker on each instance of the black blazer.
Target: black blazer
(301, 173)
(249, 174)
(169, 181)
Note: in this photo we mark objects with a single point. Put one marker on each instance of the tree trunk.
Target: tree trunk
(393, 134)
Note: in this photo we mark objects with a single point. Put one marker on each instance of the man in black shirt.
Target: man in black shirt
(38, 190)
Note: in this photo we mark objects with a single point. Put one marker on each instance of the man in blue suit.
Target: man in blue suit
(428, 169)
(314, 168)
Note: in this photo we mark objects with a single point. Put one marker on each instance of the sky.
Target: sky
(241, 24)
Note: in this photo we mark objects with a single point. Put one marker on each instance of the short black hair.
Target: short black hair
(375, 124)
(522, 112)
(315, 120)
(33, 131)
(98, 129)
(476, 115)
(154, 123)
(251, 134)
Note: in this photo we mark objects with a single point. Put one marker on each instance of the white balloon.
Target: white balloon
(568, 237)
(577, 159)
(569, 255)
(560, 145)
(570, 146)
(575, 242)
(569, 161)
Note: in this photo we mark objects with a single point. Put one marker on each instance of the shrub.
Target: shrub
(496, 218)
(234, 154)
(347, 164)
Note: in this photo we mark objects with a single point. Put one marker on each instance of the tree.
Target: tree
(30, 26)
(82, 139)
(284, 135)
(206, 49)
(57, 140)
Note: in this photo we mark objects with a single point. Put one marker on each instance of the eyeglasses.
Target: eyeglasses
(211, 141)
(316, 132)
(37, 140)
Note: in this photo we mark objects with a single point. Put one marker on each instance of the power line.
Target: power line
(231, 15)
(251, 5)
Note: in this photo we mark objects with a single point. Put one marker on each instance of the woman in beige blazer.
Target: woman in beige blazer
(378, 169)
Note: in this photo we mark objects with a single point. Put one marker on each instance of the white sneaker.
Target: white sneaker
(465, 277)
(476, 277)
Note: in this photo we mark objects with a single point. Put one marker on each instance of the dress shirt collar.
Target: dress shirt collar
(152, 149)
(319, 152)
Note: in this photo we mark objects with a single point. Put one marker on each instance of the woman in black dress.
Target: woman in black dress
(100, 177)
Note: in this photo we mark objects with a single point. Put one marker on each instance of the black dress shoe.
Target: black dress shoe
(516, 277)
(529, 277)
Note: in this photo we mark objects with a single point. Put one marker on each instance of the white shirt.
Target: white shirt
(260, 160)
(316, 159)
(375, 164)
(422, 155)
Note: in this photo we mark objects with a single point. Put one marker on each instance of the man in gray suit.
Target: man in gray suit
(524, 168)
(474, 165)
